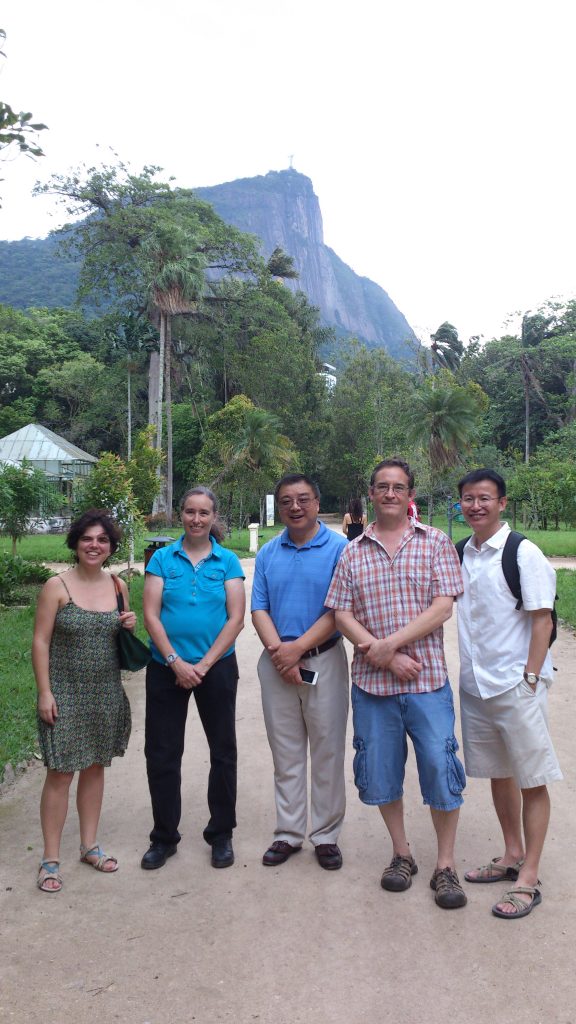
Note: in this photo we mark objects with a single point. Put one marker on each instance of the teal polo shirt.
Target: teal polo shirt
(193, 609)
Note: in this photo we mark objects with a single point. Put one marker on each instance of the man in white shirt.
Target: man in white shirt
(505, 672)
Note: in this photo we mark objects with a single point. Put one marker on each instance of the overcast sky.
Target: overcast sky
(438, 134)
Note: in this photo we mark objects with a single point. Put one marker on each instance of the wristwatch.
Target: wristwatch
(532, 678)
(172, 658)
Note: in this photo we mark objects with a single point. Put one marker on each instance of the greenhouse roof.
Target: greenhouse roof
(38, 444)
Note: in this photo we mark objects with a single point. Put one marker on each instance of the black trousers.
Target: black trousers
(166, 713)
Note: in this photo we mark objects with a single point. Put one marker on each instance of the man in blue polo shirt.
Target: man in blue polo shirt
(291, 579)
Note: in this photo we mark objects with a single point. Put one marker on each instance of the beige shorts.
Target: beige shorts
(507, 736)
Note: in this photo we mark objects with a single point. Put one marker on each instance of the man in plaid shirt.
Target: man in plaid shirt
(392, 590)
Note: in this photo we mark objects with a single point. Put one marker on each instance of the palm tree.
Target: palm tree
(246, 452)
(535, 328)
(447, 347)
(135, 337)
(175, 272)
(443, 420)
(261, 444)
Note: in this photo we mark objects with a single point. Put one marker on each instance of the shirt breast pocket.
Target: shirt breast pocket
(419, 583)
(173, 579)
(212, 580)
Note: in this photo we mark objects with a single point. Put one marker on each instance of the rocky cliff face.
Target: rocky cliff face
(282, 209)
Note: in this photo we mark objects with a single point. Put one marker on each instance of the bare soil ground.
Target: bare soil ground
(280, 945)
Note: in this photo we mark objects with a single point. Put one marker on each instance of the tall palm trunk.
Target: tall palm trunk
(168, 393)
(129, 439)
(161, 363)
(158, 500)
(526, 380)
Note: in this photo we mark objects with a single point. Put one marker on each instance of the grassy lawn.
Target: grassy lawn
(17, 687)
(554, 543)
(566, 603)
(52, 547)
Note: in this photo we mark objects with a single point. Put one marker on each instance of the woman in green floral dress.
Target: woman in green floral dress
(83, 711)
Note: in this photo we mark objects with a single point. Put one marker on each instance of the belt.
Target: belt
(323, 647)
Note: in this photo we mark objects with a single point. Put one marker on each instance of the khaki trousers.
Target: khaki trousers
(296, 716)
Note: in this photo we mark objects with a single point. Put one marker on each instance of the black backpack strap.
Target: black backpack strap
(510, 565)
(460, 547)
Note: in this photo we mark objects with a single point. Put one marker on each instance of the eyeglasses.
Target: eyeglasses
(395, 488)
(302, 500)
(484, 499)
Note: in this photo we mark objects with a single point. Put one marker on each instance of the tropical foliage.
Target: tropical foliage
(202, 347)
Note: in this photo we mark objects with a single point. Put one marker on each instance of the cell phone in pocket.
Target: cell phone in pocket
(308, 677)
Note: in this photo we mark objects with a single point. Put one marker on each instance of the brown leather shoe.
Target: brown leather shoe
(278, 853)
(329, 856)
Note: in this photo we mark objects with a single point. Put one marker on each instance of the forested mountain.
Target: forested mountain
(283, 211)
(33, 274)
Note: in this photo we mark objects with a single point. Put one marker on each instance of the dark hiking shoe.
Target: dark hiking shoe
(398, 875)
(449, 892)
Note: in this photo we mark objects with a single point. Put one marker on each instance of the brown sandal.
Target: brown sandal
(521, 908)
(496, 871)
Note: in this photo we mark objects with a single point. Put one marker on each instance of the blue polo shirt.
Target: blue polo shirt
(291, 583)
(193, 610)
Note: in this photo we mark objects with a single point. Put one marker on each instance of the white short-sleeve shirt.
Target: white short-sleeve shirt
(493, 636)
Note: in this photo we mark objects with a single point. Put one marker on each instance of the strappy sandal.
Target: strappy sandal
(521, 909)
(102, 859)
(495, 871)
(49, 871)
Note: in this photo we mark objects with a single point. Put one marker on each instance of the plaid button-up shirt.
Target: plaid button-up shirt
(384, 594)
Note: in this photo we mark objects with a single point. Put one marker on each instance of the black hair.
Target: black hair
(355, 509)
(478, 475)
(296, 478)
(217, 530)
(94, 517)
(400, 463)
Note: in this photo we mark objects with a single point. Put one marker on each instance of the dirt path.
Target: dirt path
(287, 945)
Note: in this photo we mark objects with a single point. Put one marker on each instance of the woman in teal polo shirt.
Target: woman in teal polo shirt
(193, 610)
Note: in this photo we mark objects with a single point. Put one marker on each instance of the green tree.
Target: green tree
(174, 271)
(367, 421)
(530, 380)
(545, 488)
(109, 486)
(128, 209)
(188, 439)
(446, 347)
(443, 420)
(242, 456)
(142, 469)
(24, 491)
(280, 264)
(146, 249)
(132, 340)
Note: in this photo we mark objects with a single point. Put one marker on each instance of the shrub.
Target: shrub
(15, 574)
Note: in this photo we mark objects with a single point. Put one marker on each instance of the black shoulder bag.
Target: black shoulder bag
(132, 653)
